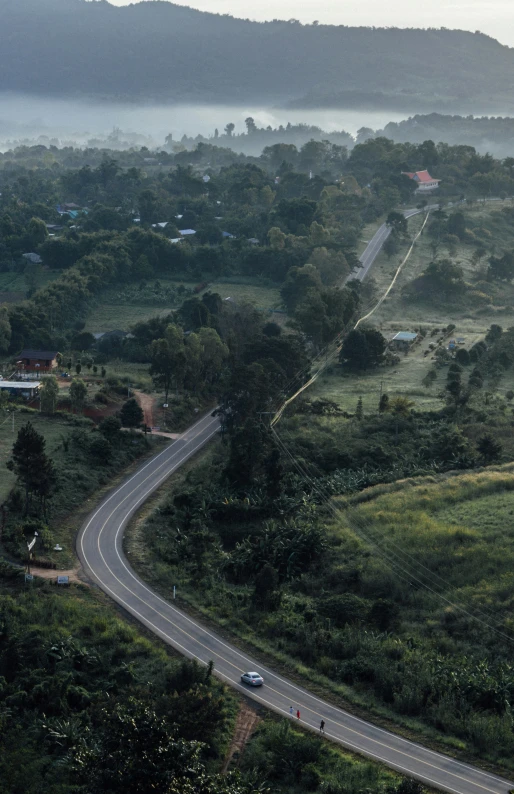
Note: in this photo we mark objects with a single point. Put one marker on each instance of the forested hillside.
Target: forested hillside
(164, 52)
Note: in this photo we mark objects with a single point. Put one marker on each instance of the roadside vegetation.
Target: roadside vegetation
(87, 704)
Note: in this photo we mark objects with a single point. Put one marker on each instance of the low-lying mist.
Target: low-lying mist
(26, 118)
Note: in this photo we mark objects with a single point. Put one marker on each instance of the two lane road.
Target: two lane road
(100, 548)
(374, 246)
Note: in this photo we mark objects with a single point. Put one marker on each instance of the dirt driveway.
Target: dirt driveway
(147, 404)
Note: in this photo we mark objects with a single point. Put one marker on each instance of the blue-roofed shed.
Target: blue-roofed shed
(403, 340)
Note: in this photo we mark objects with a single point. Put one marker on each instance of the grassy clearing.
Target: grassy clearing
(263, 297)
(111, 317)
(114, 311)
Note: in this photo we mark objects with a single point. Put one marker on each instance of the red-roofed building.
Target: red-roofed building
(425, 182)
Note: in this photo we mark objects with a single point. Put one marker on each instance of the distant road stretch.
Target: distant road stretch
(374, 246)
(100, 548)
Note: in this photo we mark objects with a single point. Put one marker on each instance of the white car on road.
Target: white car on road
(253, 679)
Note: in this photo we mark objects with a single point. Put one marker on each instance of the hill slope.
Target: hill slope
(161, 51)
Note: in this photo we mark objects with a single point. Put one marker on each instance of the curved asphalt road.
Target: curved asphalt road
(100, 548)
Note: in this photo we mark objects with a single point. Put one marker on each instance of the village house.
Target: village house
(402, 341)
(15, 388)
(37, 360)
(425, 182)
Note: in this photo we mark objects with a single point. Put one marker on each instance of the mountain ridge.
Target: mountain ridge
(163, 52)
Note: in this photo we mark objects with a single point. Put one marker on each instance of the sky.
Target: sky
(494, 17)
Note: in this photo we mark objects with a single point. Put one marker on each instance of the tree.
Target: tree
(168, 360)
(277, 238)
(110, 428)
(5, 330)
(502, 268)
(33, 468)
(457, 225)
(267, 589)
(398, 222)
(78, 394)
(33, 274)
(131, 414)
(494, 333)
(391, 245)
(383, 404)
(100, 448)
(149, 205)
(299, 282)
(446, 276)
(142, 268)
(489, 449)
(229, 129)
(363, 349)
(251, 126)
(36, 232)
(49, 394)
(462, 356)
(359, 412)
(78, 367)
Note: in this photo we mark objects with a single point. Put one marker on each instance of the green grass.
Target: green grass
(112, 312)
(110, 317)
(51, 428)
(401, 380)
(262, 297)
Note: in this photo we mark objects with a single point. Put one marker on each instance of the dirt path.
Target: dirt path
(246, 723)
(147, 403)
(52, 573)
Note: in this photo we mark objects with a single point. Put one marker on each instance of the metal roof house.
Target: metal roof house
(26, 389)
(402, 340)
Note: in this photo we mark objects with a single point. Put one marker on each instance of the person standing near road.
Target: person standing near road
(298, 713)
(322, 726)
(291, 710)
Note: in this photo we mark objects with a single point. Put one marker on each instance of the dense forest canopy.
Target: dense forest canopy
(164, 52)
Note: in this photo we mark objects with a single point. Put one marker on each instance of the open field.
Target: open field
(112, 317)
(263, 297)
(116, 311)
